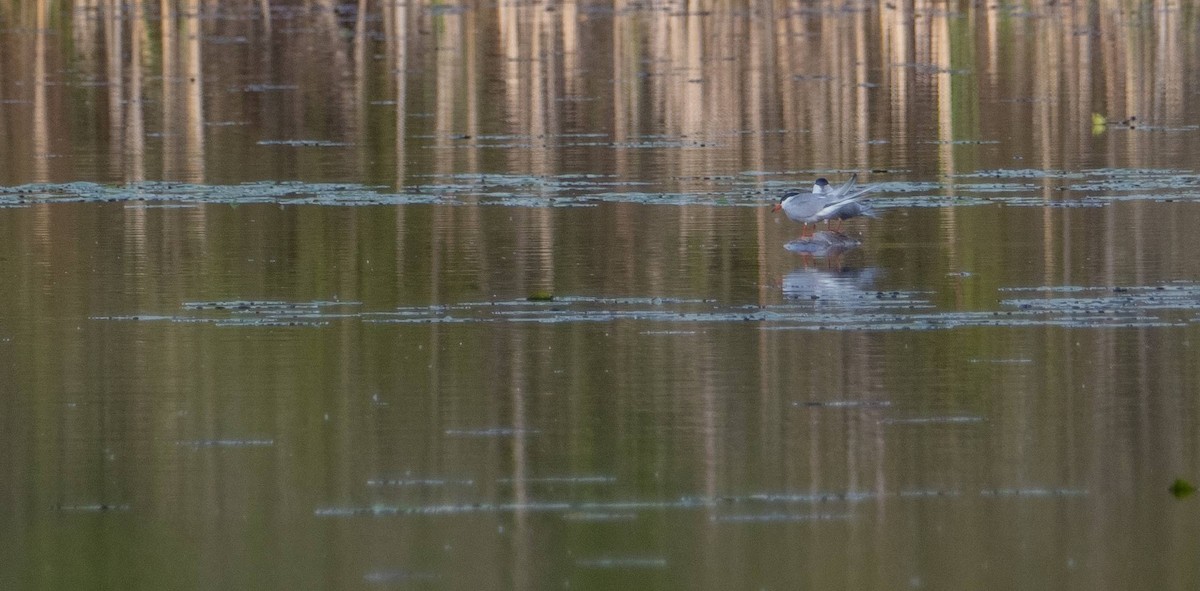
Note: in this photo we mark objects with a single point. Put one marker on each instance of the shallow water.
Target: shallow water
(491, 296)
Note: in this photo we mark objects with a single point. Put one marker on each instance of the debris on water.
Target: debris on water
(267, 87)
(252, 313)
(203, 443)
(814, 299)
(962, 142)
(419, 482)
(490, 432)
(586, 479)
(844, 403)
(1181, 488)
(305, 143)
(398, 576)
(932, 420)
(1176, 296)
(1096, 187)
(929, 493)
(381, 510)
(779, 517)
(629, 510)
(540, 296)
(1033, 492)
(93, 508)
(598, 516)
(621, 562)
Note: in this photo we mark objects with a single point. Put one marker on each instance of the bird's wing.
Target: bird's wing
(843, 190)
(803, 206)
(831, 208)
(859, 193)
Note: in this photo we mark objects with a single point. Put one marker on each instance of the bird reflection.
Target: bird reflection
(823, 244)
(842, 285)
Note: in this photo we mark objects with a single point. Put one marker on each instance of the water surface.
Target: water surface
(490, 295)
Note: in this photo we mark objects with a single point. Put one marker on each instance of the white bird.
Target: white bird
(825, 203)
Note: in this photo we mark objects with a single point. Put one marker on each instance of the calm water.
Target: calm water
(486, 296)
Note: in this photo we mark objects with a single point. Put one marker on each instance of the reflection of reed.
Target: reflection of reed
(183, 121)
(41, 115)
(182, 92)
(397, 39)
(448, 31)
(42, 218)
(703, 74)
(114, 61)
(679, 76)
(134, 132)
(361, 98)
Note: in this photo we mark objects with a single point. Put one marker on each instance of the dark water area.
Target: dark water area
(490, 295)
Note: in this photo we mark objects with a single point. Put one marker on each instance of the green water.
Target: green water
(490, 296)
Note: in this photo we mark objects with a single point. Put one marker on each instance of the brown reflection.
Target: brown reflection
(397, 42)
(361, 98)
(41, 113)
(677, 97)
(183, 110)
(114, 62)
(775, 86)
(192, 166)
(522, 559)
(183, 91)
(134, 132)
(449, 80)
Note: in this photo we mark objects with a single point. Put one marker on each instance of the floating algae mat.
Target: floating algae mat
(755, 506)
(252, 313)
(842, 303)
(1013, 187)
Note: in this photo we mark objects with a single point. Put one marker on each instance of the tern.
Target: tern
(825, 203)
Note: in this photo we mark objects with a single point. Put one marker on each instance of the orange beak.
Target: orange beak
(778, 206)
